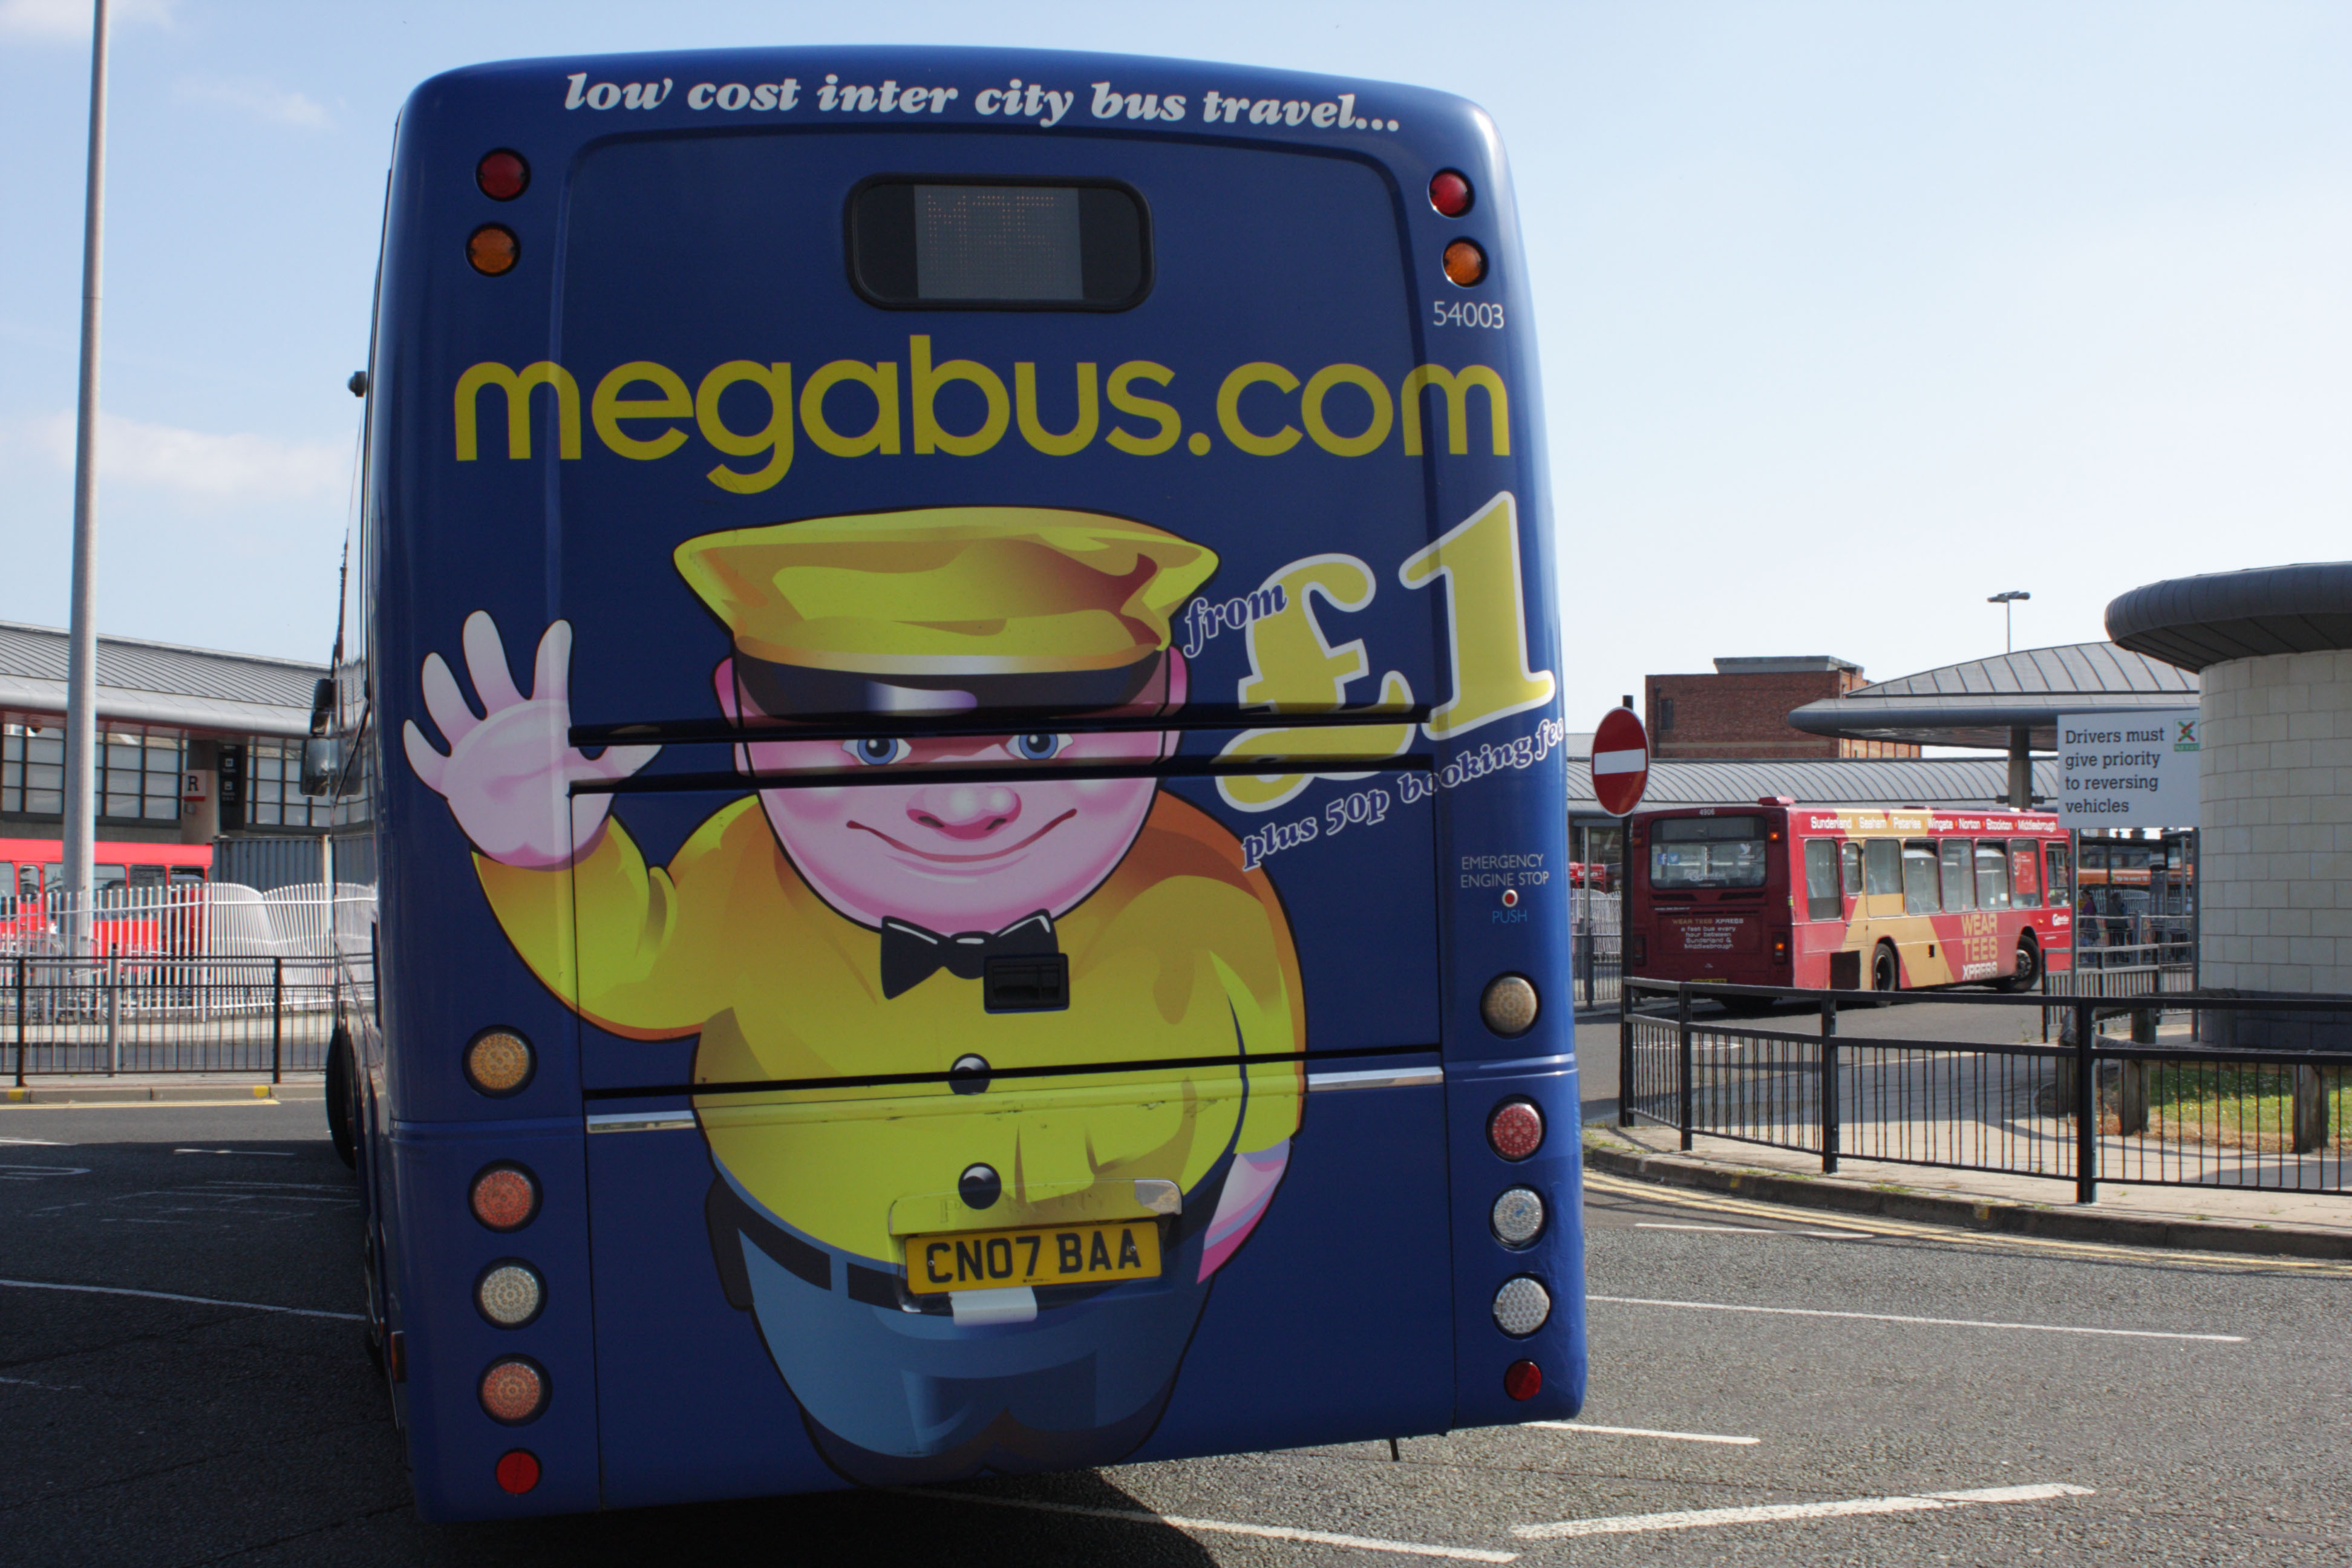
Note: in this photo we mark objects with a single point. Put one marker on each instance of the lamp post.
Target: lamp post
(2008, 629)
(81, 654)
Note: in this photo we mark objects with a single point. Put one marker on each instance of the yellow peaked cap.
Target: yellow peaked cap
(962, 590)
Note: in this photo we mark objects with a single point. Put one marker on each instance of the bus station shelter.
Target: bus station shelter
(2010, 703)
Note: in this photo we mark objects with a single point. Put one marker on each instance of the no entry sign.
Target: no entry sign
(1621, 762)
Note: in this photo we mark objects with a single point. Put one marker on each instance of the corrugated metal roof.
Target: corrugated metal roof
(1979, 702)
(1926, 781)
(2071, 669)
(159, 684)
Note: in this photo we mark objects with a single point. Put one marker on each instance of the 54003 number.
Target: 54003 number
(1466, 314)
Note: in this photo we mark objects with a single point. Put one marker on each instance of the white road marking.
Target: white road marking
(265, 1154)
(1227, 1527)
(40, 1172)
(44, 1143)
(1699, 1517)
(1900, 1318)
(1751, 1230)
(1642, 1432)
(169, 1296)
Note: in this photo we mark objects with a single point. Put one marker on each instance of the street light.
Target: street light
(2008, 629)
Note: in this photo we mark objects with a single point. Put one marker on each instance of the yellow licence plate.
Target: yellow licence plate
(1064, 1255)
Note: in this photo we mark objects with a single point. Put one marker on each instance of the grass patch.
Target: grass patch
(2240, 1105)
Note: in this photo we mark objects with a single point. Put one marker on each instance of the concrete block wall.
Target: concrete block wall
(2276, 781)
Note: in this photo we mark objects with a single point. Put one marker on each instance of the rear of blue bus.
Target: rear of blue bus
(898, 960)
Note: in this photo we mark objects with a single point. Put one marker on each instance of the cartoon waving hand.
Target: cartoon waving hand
(507, 773)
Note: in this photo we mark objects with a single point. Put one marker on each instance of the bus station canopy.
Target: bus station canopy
(2195, 622)
(158, 686)
(1981, 703)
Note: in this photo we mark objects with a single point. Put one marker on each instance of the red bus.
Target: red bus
(1847, 899)
(140, 879)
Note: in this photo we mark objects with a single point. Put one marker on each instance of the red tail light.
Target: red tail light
(518, 1470)
(1516, 1128)
(505, 1197)
(1523, 1379)
(503, 175)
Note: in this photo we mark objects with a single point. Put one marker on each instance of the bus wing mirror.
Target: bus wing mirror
(322, 761)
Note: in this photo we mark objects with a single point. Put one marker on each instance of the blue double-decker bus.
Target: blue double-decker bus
(957, 678)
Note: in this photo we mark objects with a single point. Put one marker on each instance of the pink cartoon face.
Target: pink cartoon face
(959, 856)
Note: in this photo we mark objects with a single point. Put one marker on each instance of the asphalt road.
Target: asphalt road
(148, 1431)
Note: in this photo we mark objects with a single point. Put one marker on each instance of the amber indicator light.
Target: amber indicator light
(1465, 264)
(1449, 192)
(494, 250)
(503, 175)
(498, 1062)
(513, 1389)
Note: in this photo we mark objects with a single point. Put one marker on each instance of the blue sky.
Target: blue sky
(1851, 314)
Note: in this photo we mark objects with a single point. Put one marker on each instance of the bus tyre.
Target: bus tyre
(342, 1101)
(2028, 974)
(1886, 969)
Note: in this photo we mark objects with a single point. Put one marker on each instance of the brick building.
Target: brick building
(1742, 712)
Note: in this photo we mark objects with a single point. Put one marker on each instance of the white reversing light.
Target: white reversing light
(511, 1295)
(1519, 1216)
(1521, 1307)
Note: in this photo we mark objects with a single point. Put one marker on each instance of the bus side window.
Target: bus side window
(1821, 902)
(8, 889)
(2057, 882)
(1850, 869)
(187, 876)
(107, 883)
(1959, 887)
(1883, 866)
(1919, 877)
(1992, 874)
(2024, 875)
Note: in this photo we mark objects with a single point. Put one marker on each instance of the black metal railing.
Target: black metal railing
(2091, 1107)
(161, 1014)
(1598, 966)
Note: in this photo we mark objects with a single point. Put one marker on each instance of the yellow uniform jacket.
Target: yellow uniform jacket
(1180, 953)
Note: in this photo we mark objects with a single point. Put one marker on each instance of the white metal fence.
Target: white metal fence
(212, 978)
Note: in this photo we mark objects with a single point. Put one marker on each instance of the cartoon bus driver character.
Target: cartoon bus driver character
(842, 928)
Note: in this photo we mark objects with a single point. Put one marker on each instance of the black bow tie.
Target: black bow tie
(911, 954)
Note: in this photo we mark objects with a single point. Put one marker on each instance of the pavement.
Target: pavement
(2206, 1217)
(180, 1088)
